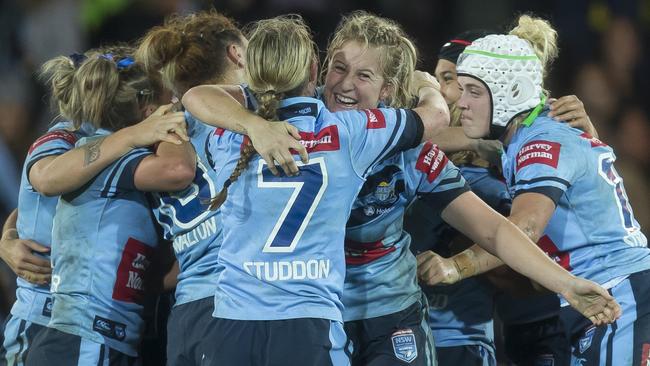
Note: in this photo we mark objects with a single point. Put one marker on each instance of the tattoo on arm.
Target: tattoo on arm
(92, 151)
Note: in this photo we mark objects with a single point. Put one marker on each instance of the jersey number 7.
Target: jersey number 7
(308, 189)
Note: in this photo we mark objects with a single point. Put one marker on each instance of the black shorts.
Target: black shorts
(543, 342)
(186, 332)
(402, 338)
(53, 347)
(307, 341)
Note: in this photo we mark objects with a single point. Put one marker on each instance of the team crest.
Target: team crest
(404, 345)
(585, 341)
(385, 192)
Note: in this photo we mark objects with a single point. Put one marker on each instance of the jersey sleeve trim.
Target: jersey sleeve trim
(553, 193)
(122, 175)
(438, 201)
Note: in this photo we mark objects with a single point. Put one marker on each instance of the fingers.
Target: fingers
(26, 266)
(172, 138)
(162, 109)
(35, 246)
(35, 278)
(561, 108)
(293, 131)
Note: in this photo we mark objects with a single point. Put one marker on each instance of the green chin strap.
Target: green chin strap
(535, 112)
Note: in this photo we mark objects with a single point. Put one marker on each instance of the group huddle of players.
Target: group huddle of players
(331, 219)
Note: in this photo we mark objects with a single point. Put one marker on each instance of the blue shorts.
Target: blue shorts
(468, 355)
(18, 337)
(186, 332)
(306, 341)
(543, 342)
(53, 347)
(626, 341)
(402, 338)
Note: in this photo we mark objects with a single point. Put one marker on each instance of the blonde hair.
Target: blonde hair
(398, 56)
(541, 36)
(97, 91)
(189, 50)
(279, 59)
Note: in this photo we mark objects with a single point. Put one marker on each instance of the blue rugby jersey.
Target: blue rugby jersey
(194, 229)
(381, 270)
(36, 212)
(102, 240)
(592, 232)
(283, 236)
(186, 219)
(460, 314)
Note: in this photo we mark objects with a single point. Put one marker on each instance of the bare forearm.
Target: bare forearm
(519, 253)
(10, 223)
(433, 111)
(453, 139)
(72, 170)
(474, 261)
(216, 107)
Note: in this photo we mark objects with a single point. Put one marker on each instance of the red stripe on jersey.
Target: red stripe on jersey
(375, 118)
(244, 143)
(539, 152)
(592, 140)
(64, 135)
(327, 139)
(219, 131)
(129, 281)
(461, 42)
(357, 253)
(431, 161)
(548, 246)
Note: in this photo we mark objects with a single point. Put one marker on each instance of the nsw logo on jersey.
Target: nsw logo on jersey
(539, 152)
(129, 281)
(375, 118)
(326, 139)
(64, 135)
(404, 345)
(585, 342)
(431, 161)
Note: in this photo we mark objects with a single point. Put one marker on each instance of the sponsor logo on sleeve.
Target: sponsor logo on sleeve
(404, 345)
(592, 140)
(129, 281)
(375, 118)
(64, 135)
(109, 328)
(431, 161)
(539, 152)
(326, 139)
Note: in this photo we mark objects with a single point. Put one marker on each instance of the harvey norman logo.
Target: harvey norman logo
(539, 152)
(326, 139)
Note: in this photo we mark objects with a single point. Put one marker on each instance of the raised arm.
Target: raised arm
(58, 174)
(221, 106)
(171, 168)
(431, 107)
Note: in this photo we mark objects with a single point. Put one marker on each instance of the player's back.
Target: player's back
(283, 236)
(103, 240)
(592, 231)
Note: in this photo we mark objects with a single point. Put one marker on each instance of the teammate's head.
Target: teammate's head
(281, 63)
(195, 49)
(448, 55)
(502, 77)
(109, 91)
(369, 60)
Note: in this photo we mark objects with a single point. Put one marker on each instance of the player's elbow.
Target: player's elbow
(46, 187)
(178, 174)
